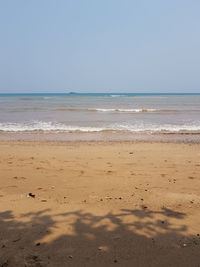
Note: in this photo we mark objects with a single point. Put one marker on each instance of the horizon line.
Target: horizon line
(74, 92)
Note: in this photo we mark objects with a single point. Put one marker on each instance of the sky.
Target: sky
(99, 46)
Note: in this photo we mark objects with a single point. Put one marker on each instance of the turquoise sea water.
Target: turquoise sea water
(96, 113)
(96, 94)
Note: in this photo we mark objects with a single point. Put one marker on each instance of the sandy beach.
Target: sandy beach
(99, 133)
(99, 204)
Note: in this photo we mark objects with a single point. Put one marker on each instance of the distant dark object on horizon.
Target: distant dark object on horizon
(72, 93)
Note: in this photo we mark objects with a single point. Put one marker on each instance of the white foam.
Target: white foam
(124, 110)
(103, 109)
(44, 126)
(116, 95)
(157, 128)
(137, 110)
(60, 127)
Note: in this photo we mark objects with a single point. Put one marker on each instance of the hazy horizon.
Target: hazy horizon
(99, 47)
(89, 93)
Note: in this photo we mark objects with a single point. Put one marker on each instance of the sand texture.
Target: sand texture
(99, 204)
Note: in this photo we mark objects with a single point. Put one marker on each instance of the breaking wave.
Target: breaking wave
(41, 126)
(108, 110)
(127, 110)
(123, 110)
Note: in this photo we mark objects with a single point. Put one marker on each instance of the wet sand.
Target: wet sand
(99, 204)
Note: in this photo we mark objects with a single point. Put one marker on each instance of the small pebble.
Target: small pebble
(31, 195)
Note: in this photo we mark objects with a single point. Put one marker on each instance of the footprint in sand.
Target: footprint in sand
(191, 177)
(19, 178)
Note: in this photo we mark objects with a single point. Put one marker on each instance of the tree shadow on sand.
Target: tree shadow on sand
(139, 237)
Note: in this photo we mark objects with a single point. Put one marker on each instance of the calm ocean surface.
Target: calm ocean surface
(96, 113)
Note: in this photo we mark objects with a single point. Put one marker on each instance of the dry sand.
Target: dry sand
(99, 204)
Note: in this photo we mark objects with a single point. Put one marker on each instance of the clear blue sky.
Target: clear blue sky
(99, 46)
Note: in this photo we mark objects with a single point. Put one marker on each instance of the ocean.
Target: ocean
(99, 114)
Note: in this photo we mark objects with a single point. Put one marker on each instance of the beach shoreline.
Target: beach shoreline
(101, 137)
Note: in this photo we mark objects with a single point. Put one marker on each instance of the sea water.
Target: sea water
(99, 113)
